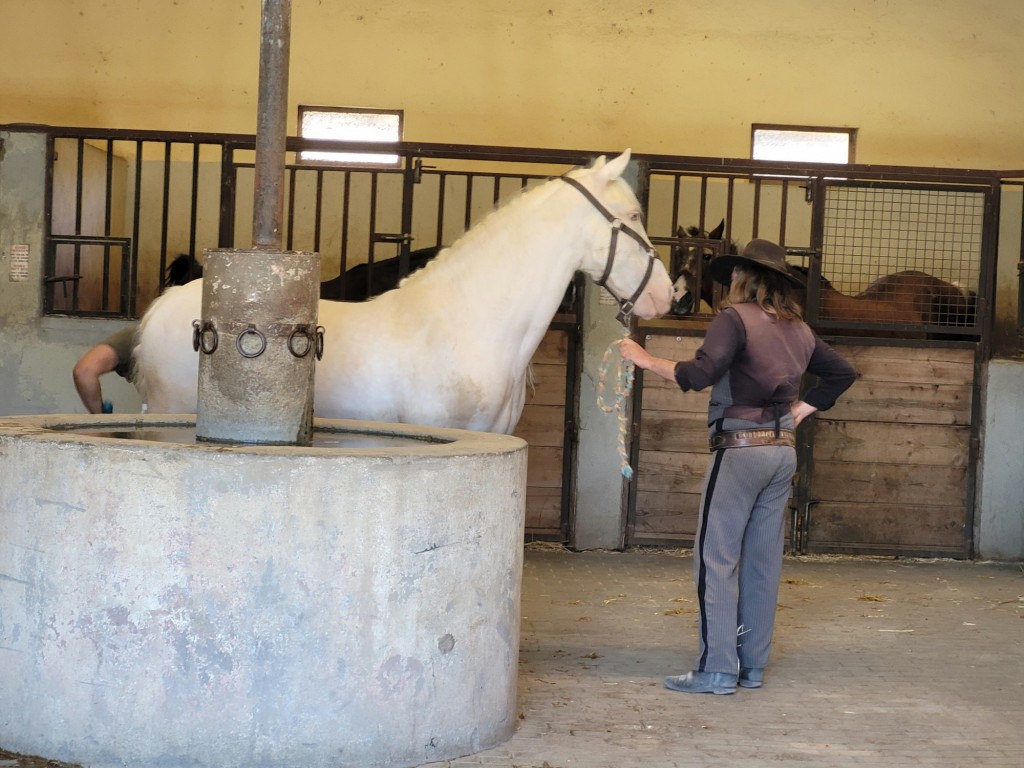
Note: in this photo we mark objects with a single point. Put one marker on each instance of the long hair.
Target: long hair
(768, 289)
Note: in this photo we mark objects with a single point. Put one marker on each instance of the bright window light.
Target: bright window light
(347, 124)
(803, 144)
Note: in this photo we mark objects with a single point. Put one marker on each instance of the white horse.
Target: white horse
(451, 346)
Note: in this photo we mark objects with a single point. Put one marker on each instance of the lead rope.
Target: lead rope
(624, 375)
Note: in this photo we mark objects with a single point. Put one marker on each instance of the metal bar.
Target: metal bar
(676, 190)
(108, 194)
(431, 150)
(79, 185)
(317, 212)
(289, 238)
(409, 177)
(468, 212)
(50, 264)
(228, 187)
(272, 123)
(136, 230)
(701, 225)
(194, 203)
(984, 311)
(165, 216)
(757, 208)
(443, 184)
(345, 207)
(570, 434)
(784, 203)
(371, 256)
(730, 198)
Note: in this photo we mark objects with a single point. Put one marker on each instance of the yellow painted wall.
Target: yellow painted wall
(927, 82)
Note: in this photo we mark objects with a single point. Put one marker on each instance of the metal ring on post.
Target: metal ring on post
(301, 332)
(243, 339)
(200, 334)
(319, 342)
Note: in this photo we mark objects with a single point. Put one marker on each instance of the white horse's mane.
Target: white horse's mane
(482, 231)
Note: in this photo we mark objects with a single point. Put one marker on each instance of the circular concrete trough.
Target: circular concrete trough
(169, 604)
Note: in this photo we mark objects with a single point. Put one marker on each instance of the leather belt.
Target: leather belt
(744, 438)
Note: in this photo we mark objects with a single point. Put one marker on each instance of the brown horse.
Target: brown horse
(903, 298)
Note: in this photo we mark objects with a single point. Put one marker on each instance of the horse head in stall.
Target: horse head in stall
(903, 298)
(690, 259)
(451, 346)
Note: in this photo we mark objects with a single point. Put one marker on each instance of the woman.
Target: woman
(753, 356)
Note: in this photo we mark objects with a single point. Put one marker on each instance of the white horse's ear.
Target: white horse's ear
(614, 168)
(599, 163)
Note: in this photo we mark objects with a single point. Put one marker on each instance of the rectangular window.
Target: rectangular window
(351, 124)
(803, 143)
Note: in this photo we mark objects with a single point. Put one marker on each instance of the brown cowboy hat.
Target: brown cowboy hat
(757, 253)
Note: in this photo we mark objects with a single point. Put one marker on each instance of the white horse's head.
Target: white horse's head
(626, 263)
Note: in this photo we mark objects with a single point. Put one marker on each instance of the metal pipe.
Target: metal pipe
(271, 124)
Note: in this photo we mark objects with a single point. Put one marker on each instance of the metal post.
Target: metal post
(271, 124)
(258, 336)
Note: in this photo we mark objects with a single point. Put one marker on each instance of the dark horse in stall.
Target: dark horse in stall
(184, 269)
(903, 298)
(364, 281)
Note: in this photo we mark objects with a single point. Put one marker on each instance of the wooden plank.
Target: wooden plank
(874, 483)
(672, 347)
(671, 431)
(544, 467)
(909, 444)
(544, 510)
(906, 526)
(541, 425)
(904, 402)
(662, 394)
(553, 349)
(922, 365)
(671, 472)
(671, 398)
(548, 385)
(671, 514)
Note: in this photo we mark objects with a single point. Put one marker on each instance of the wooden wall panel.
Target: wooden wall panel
(542, 426)
(888, 528)
(889, 464)
(673, 452)
(891, 461)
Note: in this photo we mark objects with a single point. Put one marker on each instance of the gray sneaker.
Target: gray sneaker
(751, 677)
(703, 682)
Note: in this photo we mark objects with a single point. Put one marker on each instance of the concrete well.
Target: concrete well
(164, 604)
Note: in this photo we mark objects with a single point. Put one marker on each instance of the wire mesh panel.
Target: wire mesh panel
(902, 255)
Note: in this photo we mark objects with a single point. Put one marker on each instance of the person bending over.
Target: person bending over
(113, 354)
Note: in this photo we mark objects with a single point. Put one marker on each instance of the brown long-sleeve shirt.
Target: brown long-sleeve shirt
(755, 361)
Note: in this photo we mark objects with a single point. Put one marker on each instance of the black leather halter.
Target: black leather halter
(625, 305)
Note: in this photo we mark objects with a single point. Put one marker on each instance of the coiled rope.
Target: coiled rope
(624, 375)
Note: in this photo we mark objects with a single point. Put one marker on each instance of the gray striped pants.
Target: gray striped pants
(737, 560)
